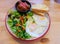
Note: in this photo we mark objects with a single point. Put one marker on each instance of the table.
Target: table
(53, 33)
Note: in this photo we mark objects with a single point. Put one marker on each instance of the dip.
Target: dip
(38, 27)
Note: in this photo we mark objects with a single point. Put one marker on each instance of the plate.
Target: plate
(41, 35)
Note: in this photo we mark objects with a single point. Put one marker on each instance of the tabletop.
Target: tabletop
(53, 34)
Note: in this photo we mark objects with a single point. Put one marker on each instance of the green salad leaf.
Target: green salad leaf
(18, 23)
(10, 22)
(30, 13)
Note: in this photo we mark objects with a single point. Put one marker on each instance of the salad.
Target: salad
(17, 23)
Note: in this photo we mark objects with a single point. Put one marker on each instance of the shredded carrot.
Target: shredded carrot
(22, 19)
(18, 30)
(23, 28)
(18, 25)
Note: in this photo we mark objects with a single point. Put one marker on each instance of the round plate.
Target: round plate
(9, 30)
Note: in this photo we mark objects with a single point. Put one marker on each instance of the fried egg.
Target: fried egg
(35, 29)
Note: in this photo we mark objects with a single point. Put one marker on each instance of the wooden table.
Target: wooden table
(53, 34)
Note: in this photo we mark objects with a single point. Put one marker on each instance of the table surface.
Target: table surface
(53, 34)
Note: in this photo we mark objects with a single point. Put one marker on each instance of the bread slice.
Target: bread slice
(38, 13)
(40, 8)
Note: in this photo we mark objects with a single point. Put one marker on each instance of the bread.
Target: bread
(38, 13)
(40, 8)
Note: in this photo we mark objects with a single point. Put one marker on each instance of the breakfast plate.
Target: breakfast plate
(27, 26)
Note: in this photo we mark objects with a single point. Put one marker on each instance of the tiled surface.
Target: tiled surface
(53, 34)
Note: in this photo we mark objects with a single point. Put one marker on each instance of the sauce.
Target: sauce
(23, 6)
